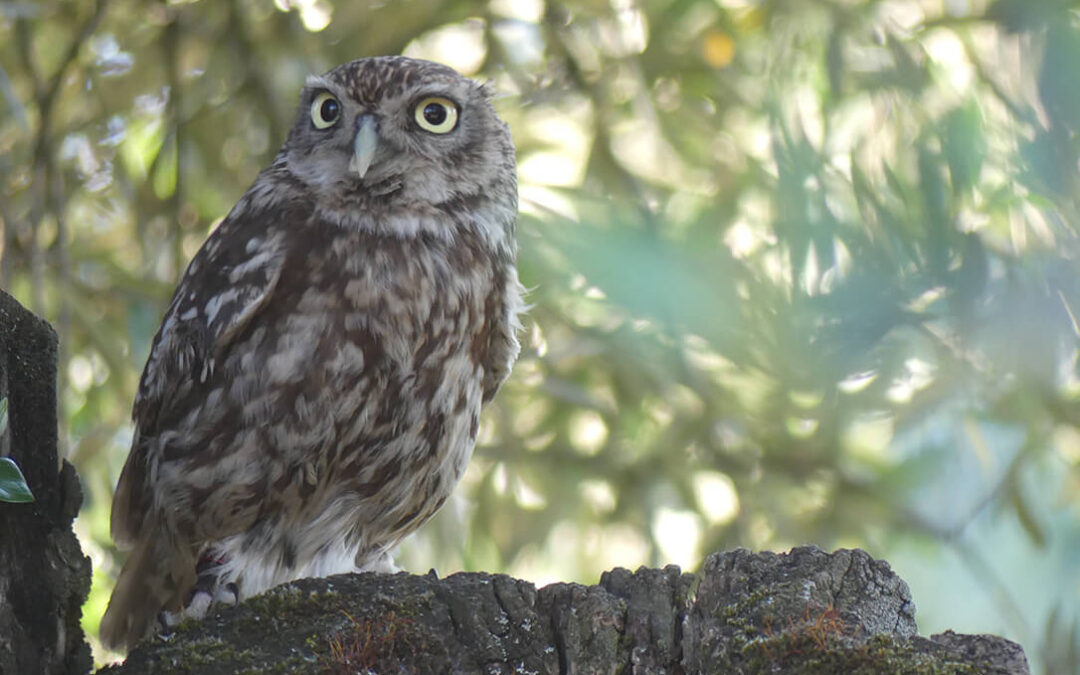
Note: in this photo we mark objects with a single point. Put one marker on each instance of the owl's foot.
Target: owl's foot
(208, 588)
(207, 592)
(383, 563)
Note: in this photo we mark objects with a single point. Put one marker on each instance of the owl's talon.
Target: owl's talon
(166, 622)
(229, 589)
(383, 563)
(198, 604)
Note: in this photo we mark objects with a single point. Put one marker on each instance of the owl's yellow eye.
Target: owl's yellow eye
(436, 114)
(325, 110)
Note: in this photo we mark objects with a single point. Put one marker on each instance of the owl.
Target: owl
(314, 391)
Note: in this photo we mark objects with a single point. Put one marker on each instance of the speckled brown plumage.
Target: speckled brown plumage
(314, 391)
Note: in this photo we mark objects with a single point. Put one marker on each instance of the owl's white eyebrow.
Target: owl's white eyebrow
(316, 81)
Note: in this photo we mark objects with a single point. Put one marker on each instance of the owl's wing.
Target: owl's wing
(229, 281)
(502, 347)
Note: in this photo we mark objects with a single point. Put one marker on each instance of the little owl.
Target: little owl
(313, 393)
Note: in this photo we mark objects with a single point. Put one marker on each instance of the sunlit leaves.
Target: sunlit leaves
(657, 280)
(142, 143)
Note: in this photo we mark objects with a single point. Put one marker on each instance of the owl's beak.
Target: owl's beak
(364, 144)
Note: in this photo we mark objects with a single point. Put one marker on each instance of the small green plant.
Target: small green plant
(13, 487)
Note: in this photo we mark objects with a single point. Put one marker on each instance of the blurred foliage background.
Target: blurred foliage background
(803, 271)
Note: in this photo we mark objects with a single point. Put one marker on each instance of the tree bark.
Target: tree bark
(44, 576)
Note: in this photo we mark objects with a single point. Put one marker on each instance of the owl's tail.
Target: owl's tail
(154, 578)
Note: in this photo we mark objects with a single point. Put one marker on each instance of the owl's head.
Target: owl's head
(393, 132)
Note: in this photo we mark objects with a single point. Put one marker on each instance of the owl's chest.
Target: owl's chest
(383, 309)
(393, 344)
(411, 291)
(413, 302)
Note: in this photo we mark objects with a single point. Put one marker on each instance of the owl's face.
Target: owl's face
(394, 130)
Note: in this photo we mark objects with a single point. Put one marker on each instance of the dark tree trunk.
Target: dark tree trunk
(44, 576)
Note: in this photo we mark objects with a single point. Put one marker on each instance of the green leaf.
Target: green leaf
(963, 145)
(163, 179)
(13, 487)
(1026, 515)
(144, 139)
(1017, 16)
(834, 62)
(1057, 84)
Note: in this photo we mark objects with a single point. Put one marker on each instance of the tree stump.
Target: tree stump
(806, 611)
